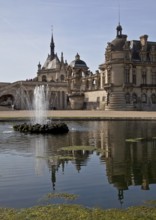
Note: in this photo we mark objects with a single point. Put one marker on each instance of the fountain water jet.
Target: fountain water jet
(41, 104)
(40, 124)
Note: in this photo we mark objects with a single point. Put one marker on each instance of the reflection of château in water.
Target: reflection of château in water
(126, 80)
(127, 164)
(79, 159)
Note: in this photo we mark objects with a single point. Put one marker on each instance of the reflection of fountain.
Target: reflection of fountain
(40, 143)
(40, 124)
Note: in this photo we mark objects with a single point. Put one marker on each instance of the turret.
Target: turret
(119, 30)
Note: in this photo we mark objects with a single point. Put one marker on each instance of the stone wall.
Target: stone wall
(95, 99)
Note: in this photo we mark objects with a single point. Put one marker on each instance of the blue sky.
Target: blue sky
(83, 26)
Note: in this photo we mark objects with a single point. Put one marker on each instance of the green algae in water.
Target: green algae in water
(65, 196)
(134, 140)
(77, 148)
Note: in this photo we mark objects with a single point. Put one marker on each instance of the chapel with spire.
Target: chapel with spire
(53, 69)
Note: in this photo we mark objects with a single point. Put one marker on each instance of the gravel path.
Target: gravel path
(80, 115)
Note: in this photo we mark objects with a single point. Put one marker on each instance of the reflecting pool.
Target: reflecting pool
(108, 164)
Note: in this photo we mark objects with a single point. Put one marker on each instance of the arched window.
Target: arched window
(127, 97)
(44, 78)
(134, 98)
(144, 98)
(153, 98)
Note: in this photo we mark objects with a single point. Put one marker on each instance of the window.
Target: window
(62, 77)
(103, 98)
(134, 78)
(153, 98)
(144, 78)
(108, 98)
(87, 84)
(154, 78)
(44, 78)
(152, 56)
(98, 99)
(127, 97)
(144, 98)
(134, 98)
(94, 82)
(127, 75)
(109, 77)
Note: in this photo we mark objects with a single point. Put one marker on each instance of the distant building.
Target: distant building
(125, 81)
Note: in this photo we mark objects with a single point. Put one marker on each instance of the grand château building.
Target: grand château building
(126, 80)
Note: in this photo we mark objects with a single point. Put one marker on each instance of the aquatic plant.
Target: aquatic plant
(140, 139)
(77, 148)
(66, 196)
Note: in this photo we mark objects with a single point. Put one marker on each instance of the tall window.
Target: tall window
(144, 78)
(153, 98)
(134, 97)
(108, 98)
(127, 97)
(154, 78)
(87, 84)
(152, 54)
(109, 77)
(144, 98)
(134, 78)
(44, 78)
(127, 75)
(62, 77)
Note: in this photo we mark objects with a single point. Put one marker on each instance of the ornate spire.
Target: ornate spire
(52, 47)
(119, 27)
(62, 59)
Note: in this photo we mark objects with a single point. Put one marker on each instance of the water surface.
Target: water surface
(116, 174)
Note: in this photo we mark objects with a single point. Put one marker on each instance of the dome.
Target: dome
(119, 42)
(77, 63)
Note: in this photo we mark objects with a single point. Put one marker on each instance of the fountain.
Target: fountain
(40, 104)
(40, 122)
